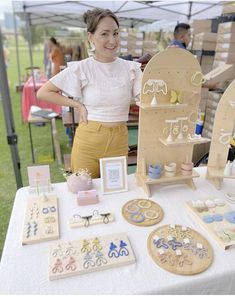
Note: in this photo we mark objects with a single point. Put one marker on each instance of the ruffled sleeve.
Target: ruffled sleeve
(71, 80)
(136, 77)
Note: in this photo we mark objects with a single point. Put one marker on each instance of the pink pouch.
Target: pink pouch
(87, 197)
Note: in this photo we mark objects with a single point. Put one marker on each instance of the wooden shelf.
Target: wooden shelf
(185, 141)
(164, 179)
(147, 106)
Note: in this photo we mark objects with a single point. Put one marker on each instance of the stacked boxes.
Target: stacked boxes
(205, 41)
(150, 47)
(199, 26)
(131, 43)
(229, 7)
(211, 106)
(225, 47)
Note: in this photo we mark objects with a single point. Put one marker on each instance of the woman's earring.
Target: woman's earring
(92, 46)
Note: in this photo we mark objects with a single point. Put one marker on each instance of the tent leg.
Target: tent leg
(8, 115)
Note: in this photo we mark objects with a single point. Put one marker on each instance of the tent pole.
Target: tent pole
(17, 48)
(8, 115)
(30, 47)
(190, 10)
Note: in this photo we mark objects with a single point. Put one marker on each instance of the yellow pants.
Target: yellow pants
(94, 141)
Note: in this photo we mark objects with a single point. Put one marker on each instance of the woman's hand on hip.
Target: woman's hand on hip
(82, 114)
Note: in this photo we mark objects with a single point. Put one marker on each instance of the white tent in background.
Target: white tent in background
(69, 14)
(131, 13)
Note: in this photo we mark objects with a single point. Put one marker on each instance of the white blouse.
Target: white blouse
(106, 89)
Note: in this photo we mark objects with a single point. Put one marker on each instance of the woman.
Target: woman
(56, 56)
(104, 86)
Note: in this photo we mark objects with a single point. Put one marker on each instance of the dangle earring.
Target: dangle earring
(92, 47)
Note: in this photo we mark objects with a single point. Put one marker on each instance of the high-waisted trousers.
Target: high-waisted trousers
(93, 141)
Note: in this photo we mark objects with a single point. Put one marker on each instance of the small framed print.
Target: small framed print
(113, 173)
(39, 176)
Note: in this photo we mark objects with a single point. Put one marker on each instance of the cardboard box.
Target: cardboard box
(226, 27)
(136, 52)
(228, 7)
(204, 45)
(225, 47)
(218, 63)
(214, 96)
(211, 111)
(206, 36)
(206, 133)
(226, 37)
(197, 24)
(208, 126)
(227, 57)
(221, 73)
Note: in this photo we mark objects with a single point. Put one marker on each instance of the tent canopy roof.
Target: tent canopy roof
(130, 13)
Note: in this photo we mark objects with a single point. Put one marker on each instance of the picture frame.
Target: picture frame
(113, 173)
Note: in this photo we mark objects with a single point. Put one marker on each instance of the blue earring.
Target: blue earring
(123, 250)
(113, 251)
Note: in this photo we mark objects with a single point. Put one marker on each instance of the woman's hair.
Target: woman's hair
(92, 18)
(54, 41)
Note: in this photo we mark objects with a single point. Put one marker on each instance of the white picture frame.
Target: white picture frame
(113, 174)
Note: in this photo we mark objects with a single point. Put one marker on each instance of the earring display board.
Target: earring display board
(41, 222)
(89, 255)
(169, 102)
(218, 219)
(223, 130)
(180, 249)
(142, 212)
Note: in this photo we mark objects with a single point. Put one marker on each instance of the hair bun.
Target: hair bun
(87, 16)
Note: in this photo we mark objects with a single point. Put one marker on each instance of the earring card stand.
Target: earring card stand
(180, 249)
(89, 255)
(41, 221)
(222, 232)
(224, 119)
(178, 68)
(84, 221)
(142, 212)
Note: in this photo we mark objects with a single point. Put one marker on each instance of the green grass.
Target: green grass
(41, 139)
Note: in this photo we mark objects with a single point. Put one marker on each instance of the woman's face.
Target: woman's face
(105, 39)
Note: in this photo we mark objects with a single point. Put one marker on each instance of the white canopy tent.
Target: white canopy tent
(69, 14)
(131, 13)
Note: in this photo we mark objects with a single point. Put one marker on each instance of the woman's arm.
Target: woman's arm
(51, 93)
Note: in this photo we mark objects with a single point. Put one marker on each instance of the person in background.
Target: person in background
(56, 56)
(103, 86)
(182, 38)
(182, 35)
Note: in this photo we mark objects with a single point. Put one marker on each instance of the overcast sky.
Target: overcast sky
(5, 6)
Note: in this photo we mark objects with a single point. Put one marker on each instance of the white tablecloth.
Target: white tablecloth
(24, 269)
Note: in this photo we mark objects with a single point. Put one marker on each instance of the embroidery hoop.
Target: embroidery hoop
(199, 264)
(140, 203)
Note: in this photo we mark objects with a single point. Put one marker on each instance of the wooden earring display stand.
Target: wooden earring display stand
(176, 67)
(221, 135)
